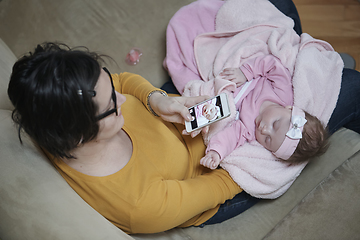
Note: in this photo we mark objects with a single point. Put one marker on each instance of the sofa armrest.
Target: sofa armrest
(7, 60)
(35, 201)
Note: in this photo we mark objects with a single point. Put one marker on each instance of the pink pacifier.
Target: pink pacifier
(133, 57)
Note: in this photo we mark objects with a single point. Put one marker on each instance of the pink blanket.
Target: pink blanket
(245, 29)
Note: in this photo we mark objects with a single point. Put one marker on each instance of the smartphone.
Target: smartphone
(207, 112)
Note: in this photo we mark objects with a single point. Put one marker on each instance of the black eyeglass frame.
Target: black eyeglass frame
(113, 97)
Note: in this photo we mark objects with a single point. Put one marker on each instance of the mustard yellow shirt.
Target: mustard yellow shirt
(163, 185)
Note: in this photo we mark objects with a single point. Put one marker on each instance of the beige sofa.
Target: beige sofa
(36, 203)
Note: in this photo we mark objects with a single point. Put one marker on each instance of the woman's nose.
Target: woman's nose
(120, 99)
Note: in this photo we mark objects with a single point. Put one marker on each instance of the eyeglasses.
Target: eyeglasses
(113, 97)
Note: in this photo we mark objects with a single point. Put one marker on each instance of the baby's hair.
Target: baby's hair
(314, 140)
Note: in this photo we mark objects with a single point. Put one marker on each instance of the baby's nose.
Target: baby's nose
(264, 129)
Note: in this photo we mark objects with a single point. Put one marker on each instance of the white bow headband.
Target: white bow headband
(296, 125)
(294, 134)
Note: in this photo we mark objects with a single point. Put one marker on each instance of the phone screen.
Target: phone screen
(207, 112)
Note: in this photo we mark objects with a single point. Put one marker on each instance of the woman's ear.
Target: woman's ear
(289, 107)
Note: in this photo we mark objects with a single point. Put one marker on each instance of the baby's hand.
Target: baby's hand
(211, 160)
(235, 75)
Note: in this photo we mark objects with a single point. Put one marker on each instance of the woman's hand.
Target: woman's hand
(234, 75)
(174, 109)
(211, 160)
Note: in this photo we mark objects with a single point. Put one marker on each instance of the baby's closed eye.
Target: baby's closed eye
(276, 124)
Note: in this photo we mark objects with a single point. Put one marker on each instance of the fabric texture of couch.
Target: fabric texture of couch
(35, 201)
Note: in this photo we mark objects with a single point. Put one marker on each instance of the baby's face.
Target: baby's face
(272, 125)
(209, 111)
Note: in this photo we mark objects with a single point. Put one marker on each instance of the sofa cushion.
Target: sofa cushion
(35, 201)
(330, 211)
(113, 27)
(7, 60)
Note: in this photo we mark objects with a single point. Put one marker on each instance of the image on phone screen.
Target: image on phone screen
(207, 112)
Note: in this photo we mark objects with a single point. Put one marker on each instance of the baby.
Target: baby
(210, 111)
(267, 114)
(205, 113)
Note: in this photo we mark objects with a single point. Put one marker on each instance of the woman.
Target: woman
(102, 133)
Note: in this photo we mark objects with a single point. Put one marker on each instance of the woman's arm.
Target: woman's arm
(172, 203)
(171, 109)
(133, 84)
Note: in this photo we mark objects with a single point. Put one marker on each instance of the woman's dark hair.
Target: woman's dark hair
(51, 90)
